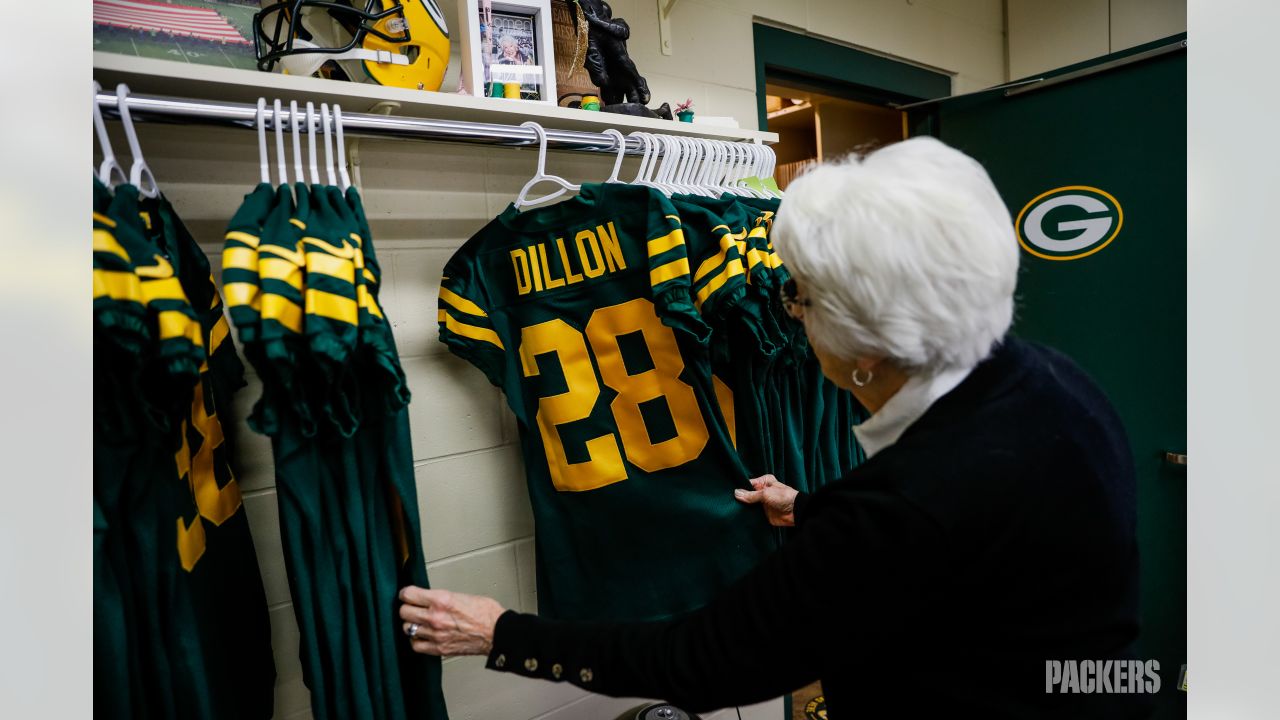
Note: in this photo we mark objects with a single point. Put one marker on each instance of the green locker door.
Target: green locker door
(1095, 170)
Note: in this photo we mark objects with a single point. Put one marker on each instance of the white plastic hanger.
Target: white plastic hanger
(296, 120)
(773, 165)
(278, 122)
(260, 120)
(342, 149)
(110, 166)
(140, 175)
(311, 142)
(541, 174)
(327, 121)
(619, 144)
(644, 157)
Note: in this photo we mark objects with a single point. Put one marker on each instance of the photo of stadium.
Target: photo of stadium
(207, 32)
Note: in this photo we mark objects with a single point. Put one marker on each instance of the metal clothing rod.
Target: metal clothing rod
(243, 115)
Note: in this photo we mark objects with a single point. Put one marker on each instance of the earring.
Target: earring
(860, 383)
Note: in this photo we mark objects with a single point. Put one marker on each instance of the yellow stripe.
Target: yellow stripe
(282, 310)
(673, 217)
(104, 241)
(116, 285)
(219, 333)
(469, 331)
(333, 307)
(283, 270)
(758, 232)
(368, 275)
(146, 218)
(335, 267)
(164, 289)
(461, 303)
(733, 268)
(99, 217)
(298, 223)
(240, 258)
(367, 302)
(715, 261)
(240, 293)
(726, 227)
(673, 269)
(244, 237)
(774, 260)
(175, 324)
(675, 238)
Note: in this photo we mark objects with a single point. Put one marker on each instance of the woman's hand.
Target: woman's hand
(779, 500)
(445, 623)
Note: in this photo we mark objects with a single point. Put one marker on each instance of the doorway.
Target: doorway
(813, 128)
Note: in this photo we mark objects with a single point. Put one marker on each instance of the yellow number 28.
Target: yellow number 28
(604, 465)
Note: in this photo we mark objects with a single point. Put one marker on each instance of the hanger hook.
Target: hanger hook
(260, 121)
(140, 169)
(110, 165)
(342, 148)
(277, 123)
(542, 144)
(295, 120)
(619, 144)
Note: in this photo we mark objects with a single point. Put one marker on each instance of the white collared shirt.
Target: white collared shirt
(916, 395)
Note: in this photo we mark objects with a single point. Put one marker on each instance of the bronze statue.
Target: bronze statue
(622, 89)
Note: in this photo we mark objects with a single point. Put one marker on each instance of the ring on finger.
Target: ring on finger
(412, 630)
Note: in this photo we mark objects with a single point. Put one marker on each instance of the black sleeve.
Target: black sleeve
(851, 571)
(799, 506)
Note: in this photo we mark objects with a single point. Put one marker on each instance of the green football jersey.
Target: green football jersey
(220, 585)
(584, 314)
(334, 403)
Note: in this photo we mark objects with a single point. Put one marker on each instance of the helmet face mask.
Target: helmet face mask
(402, 43)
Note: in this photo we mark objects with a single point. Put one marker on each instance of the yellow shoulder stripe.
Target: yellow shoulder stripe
(673, 217)
(244, 237)
(117, 285)
(99, 217)
(334, 307)
(104, 241)
(675, 238)
(670, 271)
(469, 331)
(732, 269)
(461, 303)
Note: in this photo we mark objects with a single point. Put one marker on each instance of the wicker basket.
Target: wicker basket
(571, 83)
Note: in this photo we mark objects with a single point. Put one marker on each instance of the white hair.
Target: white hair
(907, 253)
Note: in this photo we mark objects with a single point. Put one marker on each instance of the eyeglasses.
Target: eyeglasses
(793, 305)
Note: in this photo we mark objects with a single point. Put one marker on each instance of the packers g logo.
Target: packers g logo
(1069, 223)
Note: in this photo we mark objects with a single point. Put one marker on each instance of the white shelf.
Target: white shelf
(187, 80)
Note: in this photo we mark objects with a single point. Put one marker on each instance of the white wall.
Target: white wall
(423, 202)
(1048, 34)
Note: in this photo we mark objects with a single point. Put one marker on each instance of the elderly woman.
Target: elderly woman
(989, 534)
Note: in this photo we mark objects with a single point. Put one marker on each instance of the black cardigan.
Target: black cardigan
(939, 577)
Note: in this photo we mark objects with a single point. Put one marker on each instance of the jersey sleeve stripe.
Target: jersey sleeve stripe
(218, 334)
(164, 289)
(333, 307)
(175, 324)
(673, 217)
(366, 301)
(282, 310)
(240, 293)
(657, 246)
(335, 267)
(240, 258)
(469, 331)
(244, 237)
(104, 241)
(283, 270)
(99, 217)
(117, 285)
(732, 269)
(670, 271)
(461, 303)
(298, 223)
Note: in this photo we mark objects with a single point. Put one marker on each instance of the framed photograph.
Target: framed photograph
(507, 50)
(206, 32)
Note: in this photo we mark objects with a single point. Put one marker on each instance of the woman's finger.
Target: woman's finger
(749, 497)
(415, 595)
(414, 614)
(427, 647)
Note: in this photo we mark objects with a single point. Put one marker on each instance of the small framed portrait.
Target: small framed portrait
(507, 49)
